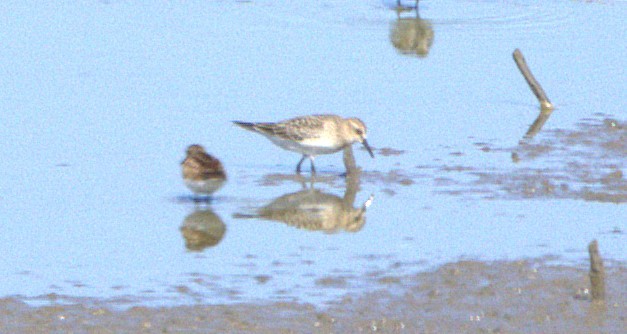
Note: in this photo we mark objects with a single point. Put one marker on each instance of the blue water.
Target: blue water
(100, 99)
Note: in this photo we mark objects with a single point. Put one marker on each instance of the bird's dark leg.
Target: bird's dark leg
(300, 163)
(313, 168)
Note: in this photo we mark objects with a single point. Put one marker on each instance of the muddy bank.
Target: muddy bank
(585, 163)
(468, 296)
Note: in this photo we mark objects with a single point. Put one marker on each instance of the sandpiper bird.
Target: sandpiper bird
(312, 135)
(202, 173)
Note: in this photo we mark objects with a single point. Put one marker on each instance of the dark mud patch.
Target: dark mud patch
(529, 296)
(388, 151)
(585, 163)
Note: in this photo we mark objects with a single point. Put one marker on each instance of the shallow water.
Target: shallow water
(100, 100)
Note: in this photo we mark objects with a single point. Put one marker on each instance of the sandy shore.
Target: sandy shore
(463, 297)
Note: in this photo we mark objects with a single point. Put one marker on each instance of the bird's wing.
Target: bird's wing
(206, 164)
(298, 129)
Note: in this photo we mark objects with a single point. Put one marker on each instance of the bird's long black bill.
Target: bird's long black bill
(368, 147)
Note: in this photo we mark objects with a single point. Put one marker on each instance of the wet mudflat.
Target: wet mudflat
(526, 296)
(585, 163)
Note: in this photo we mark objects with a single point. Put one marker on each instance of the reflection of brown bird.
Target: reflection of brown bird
(314, 210)
(412, 36)
(202, 229)
(202, 173)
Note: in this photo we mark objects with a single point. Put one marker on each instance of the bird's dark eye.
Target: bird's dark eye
(359, 132)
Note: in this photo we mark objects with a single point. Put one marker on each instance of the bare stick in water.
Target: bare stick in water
(349, 160)
(597, 273)
(531, 80)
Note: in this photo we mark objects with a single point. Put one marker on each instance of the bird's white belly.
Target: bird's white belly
(312, 147)
(204, 186)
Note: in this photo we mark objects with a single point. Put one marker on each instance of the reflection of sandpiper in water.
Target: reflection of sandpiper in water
(314, 210)
(411, 36)
(202, 173)
(312, 135)
(202, 229)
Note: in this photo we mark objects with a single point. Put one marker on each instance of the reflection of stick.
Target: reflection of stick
(352, 187)
(533, 83)
(538, 123)
(597, 273)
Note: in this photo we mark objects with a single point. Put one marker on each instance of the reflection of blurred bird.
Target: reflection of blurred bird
(312, 135)
(314, 210)
(202, 229)
(412, 36)
(202, 173)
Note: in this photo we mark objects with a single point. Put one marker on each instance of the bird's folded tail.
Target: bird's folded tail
(245, 125)
(244, 216)
(263, 128)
